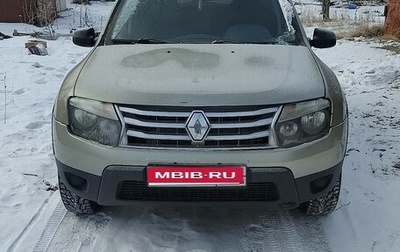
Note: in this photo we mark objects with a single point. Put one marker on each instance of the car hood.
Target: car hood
(199, 75)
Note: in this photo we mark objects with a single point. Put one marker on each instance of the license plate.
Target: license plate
(187, 176)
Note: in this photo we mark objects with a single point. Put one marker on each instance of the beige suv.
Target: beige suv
(206, 101)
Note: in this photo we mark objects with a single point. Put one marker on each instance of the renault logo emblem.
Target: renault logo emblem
(197, 126)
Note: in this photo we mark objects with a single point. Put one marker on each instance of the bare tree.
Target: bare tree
(28, 8)
(325, 10)
(45, 11)
(38, 12)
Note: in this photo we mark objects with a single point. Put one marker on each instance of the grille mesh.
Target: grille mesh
(231, 127)
(138, 190)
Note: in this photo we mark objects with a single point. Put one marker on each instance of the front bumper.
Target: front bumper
(292, 171)
(266, 187)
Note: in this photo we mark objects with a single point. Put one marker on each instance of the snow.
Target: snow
(366, 218)
(287, 13)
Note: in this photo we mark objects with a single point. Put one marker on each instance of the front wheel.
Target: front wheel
(323, 205)
(75, 204)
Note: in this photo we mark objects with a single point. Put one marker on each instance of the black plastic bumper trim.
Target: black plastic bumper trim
(292, 192)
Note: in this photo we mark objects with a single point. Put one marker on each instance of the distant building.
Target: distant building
(392, 21)
(37, 12)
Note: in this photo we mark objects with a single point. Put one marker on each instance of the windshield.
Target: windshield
(200, 21)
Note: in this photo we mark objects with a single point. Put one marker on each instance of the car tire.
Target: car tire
(323, 205)
(75, 204)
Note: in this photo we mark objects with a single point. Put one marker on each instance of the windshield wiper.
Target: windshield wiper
(138, 41)
(272, 42)
(221, 41)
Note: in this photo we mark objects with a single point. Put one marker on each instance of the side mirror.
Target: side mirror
(323, 38)
(84, 37)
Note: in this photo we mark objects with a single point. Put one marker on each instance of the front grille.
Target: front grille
(137, 190)
(230, 127)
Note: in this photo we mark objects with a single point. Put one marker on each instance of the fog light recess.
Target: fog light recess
(320, 184)
(76, 182)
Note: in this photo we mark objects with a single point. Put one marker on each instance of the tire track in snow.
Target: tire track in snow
(274, 239)
(51, 228)
(26, 229)
(189, 228)
(281, 233)
(78, 233)
(293, 241)
(95, 224)
(285, 232)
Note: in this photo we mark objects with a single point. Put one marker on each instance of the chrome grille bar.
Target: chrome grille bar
(241, 125)
(187, 138)
(131, 121)
(214, 126)
(246, 113)
(238, 137)
(157, 137)
(165, 127)
(154, 113)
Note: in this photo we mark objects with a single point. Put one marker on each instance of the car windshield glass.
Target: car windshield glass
(201, 22)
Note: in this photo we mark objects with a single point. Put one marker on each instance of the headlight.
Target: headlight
(94, 121)
(314, 123)
(303, 122)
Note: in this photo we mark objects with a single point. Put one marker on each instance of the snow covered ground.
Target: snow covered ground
(32, 217)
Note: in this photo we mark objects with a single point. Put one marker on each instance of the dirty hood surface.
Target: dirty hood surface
(200, 75)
